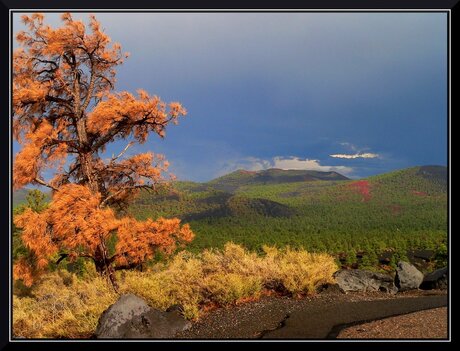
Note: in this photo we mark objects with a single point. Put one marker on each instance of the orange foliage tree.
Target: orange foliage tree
(64, 114)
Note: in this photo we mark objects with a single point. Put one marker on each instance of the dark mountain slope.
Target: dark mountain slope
(231, 182)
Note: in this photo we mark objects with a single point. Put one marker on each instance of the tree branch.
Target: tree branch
(126, 122)
(57, 99)
(127, 266)
(106, 79)
(104, 202)
(42, 182)
(50, 70)
(63, 256)
(90, 89)
(44, 61)
(71, 142)
(122, 152)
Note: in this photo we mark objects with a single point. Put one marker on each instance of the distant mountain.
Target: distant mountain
(437, 174)
(279, 193)
(321, 211)
(20, 196)
(237, 179)
(421, 179)
(240, 207)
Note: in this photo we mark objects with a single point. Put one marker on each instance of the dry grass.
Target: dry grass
(62, 305)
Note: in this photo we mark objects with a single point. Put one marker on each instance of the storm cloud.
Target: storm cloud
(267, 85)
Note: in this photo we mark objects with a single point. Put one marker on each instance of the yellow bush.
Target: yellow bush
(64, 305)
(226, 289)
(176, 283)
(303, 272)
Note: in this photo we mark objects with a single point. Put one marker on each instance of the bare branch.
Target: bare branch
(106, 79)
(90, 89)
(58, 99)
(122, 152)
(42, 182)
(44, 61)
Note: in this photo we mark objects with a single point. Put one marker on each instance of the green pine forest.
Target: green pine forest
(361, 221)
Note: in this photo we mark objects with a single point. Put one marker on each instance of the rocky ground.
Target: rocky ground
(281, 317)
(428, 324)
(361, 304)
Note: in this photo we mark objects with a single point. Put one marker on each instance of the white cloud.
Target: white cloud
(257, 164)
(307, 164)
(355, 152)
(357, 155)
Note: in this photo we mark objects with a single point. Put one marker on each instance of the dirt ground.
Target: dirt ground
(281, 317)
(428, 324)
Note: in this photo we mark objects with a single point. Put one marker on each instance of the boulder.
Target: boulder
(435, 280)
(156, 324)
(117, 315)
(361, 280)
(407, 276)
(131, 317)
(330, 289)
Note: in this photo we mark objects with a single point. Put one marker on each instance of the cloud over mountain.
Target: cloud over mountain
(282, 162)
(357, 155)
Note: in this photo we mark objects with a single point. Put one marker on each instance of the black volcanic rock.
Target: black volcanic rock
(435, 280)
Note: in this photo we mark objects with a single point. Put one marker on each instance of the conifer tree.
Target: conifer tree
(65, 114)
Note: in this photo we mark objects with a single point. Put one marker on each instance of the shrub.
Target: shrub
(299, 271)
(226, 289)
(64, 304)
(179, 282)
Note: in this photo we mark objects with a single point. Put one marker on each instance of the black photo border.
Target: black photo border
(6, 8)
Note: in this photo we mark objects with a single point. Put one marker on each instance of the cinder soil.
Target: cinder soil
(319, 317)
(428, 324)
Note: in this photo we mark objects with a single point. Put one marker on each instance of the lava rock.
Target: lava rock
(156, 324)
(407, 276)
(435, 280)
(330, 289)
(361, 280)
(131, 317)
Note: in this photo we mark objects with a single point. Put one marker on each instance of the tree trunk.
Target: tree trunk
(86, 154)
(103, 267)
(86, 162)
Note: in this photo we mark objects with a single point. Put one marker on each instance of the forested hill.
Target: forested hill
(239, 178)
(406, 208)
(320, 211)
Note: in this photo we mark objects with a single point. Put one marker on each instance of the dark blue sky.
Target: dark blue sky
(289, 90)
